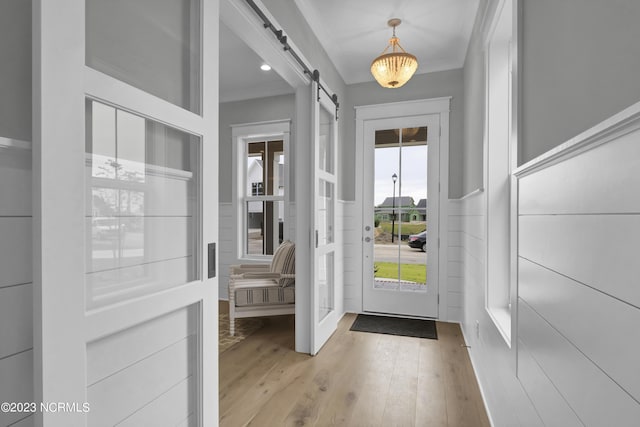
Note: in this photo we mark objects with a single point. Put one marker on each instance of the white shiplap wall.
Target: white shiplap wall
(145, 375)
(455, 261)
(352, 246)
(16, 305)
(579, 299)
(573, 356)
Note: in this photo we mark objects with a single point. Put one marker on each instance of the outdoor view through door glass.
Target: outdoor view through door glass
(400, 209)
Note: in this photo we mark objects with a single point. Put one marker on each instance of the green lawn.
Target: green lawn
(407, 228)
(410, 272)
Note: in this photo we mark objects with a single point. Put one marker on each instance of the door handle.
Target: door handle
(367, 239)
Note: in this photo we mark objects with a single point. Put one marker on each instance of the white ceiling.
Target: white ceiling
(240, 74)
(353, 33)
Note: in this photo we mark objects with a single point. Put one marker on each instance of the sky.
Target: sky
(412, 179)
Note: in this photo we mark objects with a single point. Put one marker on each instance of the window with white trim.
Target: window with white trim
(500, 155)
(263, 198)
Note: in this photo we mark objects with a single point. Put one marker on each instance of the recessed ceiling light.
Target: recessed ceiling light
(265, 67)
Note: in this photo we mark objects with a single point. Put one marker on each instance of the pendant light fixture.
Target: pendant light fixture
(395, 68)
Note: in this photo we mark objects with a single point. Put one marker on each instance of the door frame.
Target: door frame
(238, 14)
(441, 107)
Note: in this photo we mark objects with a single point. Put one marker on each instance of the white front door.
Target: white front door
(125, 212)
(325, 313)
(400, 215)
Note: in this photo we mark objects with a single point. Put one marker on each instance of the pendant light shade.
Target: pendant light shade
(395, 68)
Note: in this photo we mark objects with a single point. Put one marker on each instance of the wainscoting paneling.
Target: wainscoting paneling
(352, 258)
(595, 398)
(25, 422)
(600, 251)
(131, 373)
(16, 290)
(16, 383)
(16, 319)
(15, 181)
(116, 352)
(550, 404)
(579, 303)
(612, 176)
(15, 250)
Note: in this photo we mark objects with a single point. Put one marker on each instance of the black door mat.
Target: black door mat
(418, 328)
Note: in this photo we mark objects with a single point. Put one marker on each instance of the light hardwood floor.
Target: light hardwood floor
(357, 379)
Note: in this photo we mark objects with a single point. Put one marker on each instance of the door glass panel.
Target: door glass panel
(400, 213)
(153, 45)
(141, 205)
(325, 285)
(325, 213)
(326, 142)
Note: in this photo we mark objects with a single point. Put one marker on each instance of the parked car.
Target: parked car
(418, 241)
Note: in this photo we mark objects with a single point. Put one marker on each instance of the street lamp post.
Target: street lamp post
(394, 177)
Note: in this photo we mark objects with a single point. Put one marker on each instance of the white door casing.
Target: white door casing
(66, 322)
(366, 116)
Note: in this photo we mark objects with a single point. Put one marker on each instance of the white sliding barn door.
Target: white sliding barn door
(324, 295)
(125, 209)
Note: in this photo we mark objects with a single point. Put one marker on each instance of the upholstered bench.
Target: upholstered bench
(257, 290)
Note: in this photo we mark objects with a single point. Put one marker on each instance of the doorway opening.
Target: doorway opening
(404, 152)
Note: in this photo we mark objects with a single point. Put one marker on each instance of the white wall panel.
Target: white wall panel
(15, 181)
(455, 299)
(599, 325)
(25, 422)
(584, 184)
(118, 351)
(122, 394)
(15, 250)
(600, 251)
(549, 403)
(188, 422)
(16, 319)
(456, 283)
(352, 258)
(454, 236)
(170, 409)
(16, 380)
(595, 398)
